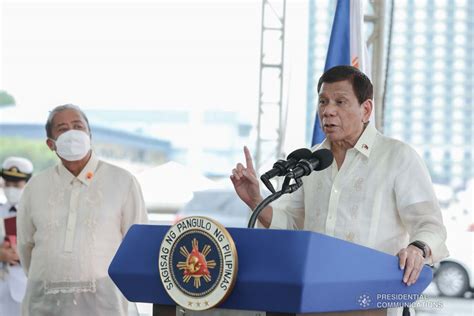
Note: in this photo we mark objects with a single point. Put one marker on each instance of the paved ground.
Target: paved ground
(430, 304)
(436, 306)
(448, 307)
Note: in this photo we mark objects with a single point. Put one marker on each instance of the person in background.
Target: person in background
(71, 220)
(16, 171)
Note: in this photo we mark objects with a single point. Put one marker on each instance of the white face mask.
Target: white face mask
(13, 194)
(73, 145)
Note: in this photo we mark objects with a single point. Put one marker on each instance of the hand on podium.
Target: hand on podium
(412, 261)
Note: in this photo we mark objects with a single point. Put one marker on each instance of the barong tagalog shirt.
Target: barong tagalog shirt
(69, 229)
(381, 197)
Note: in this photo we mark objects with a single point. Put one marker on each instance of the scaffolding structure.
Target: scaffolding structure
(272, 51)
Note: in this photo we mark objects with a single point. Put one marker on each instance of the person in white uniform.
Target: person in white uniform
(16, 171)
(71, 220)
(377, 192)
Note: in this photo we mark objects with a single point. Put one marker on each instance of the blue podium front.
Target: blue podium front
(278, 271)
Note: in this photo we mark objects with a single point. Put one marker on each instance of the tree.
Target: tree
(35, 150)
(6, 99)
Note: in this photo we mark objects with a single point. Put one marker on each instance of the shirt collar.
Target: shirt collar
(364, 144)
(366, 141)
(86, 174)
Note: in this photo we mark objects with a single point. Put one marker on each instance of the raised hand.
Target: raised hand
(245, 181)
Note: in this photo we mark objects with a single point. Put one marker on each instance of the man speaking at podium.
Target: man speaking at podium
(377, 192)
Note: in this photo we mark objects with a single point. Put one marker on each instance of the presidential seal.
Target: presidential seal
(198, 263)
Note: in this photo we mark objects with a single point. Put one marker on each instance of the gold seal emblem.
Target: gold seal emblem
(201, 250)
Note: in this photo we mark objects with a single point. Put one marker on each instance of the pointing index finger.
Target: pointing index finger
(248, 158)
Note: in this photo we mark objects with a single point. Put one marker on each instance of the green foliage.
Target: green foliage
(35, 150)
(6, 99)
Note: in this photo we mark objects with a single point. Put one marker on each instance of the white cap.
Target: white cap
(16, 168)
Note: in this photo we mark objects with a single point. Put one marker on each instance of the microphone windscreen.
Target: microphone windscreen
(302, 153)
(325, 158)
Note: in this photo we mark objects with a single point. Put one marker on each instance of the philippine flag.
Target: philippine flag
(346, 47)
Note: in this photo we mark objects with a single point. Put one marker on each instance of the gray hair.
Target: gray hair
(60, 108)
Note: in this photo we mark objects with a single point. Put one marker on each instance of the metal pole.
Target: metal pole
(378, 51)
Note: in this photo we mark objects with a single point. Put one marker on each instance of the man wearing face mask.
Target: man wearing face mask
(16, 171)
(71, 220)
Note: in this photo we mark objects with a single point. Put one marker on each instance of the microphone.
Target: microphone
(319, 160)
(281, 167)
(308, 161)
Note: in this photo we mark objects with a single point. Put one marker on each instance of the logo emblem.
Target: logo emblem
(364, 301)
(196, 266)
(198, 263)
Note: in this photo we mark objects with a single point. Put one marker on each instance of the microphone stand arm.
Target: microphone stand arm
(286, 188)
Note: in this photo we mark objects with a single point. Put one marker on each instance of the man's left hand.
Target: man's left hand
(412, 261)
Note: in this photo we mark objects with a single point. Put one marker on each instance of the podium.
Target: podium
(279, 271)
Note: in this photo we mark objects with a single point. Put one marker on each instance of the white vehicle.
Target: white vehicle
(222, 205)
(455, 275)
